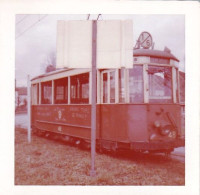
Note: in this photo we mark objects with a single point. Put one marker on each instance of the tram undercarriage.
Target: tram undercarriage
(113, 146)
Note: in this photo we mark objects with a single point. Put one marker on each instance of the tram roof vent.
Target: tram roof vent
(166, 49)
(154, 53)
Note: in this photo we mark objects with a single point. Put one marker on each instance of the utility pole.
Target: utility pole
(94, 92)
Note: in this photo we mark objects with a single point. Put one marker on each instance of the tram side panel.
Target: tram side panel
(137, 123)
(123, 123)
(72, 120)
(113, 122)
(117, 123)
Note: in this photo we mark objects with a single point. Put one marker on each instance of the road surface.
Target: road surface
(21, 120)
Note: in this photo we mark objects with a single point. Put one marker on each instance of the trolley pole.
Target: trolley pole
(29, 108)
(94, 92)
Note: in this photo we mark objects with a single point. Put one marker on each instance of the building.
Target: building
(20, 97)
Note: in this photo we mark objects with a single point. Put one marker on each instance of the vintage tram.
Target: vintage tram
(137, 108)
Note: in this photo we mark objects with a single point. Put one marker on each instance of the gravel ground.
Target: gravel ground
(48, 162)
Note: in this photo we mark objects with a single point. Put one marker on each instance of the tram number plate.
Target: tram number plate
(59, 128)
(172, 134)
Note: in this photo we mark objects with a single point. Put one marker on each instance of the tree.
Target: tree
(25, 102)
(49, 63)
(50, 68)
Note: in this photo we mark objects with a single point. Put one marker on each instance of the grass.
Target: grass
(47, 162)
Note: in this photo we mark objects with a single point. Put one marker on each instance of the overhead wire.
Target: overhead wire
(22, 19)
(88, 17)
(31, 26)
(40, 19)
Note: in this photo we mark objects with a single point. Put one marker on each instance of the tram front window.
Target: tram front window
(160, 84)
(136, 84)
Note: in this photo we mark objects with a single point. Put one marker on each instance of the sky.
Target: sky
(35, 38)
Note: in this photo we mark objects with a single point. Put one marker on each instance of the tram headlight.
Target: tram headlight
(157, 124)
(165, 130)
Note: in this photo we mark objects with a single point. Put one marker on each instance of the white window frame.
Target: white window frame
(174, 84)
(34, 94)
(40, 93)
(108, 83)
(127, 91)
(52, 101)
(178, 85)
(126, 83)
(69, 89)
(98, 87)
(146, 83)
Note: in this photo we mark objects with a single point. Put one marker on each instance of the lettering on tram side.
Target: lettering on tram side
(75, 109)
(85, 110)
(79, 112)
(79, 115)
(64, 114)
(43, 112)
(60, 114)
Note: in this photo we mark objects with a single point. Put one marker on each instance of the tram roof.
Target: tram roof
(51, 73)
(136, 52)
(154, 53)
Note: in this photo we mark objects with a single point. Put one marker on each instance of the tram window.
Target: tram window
(61, 91)
(112, 87)
(46, 92)
(182, 86)
(105, 87)
(160, 84)
(80, 89)
(176, 85)
(136, 88)
(121, 86)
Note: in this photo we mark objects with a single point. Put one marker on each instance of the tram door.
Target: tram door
(108, 86)
(108, 99)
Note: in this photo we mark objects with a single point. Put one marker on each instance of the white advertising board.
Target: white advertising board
(114, 44)
(74, 44)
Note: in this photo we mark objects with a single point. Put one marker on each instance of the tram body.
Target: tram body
(137, 108)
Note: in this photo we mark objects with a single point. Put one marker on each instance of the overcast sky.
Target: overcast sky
(36, 38)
